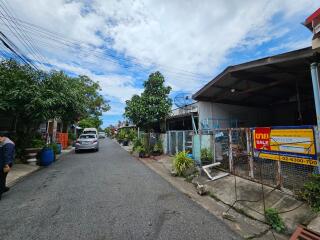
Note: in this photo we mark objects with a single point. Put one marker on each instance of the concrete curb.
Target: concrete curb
(15, 181)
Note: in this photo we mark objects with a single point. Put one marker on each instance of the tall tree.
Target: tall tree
(152, 106)
(29, 97)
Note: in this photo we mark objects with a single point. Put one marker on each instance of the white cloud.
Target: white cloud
(177, 37)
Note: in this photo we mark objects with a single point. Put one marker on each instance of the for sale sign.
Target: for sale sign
(288, 144)
(262, 138)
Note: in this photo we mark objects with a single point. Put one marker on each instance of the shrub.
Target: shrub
(54, 147)
(182, 163)
(141, 149)
(37, 143)
(273, 218)
(206, 155)
(158, 147)
(132, 134)
(121, 135)
(136, 143)
(311, 192)
(72, 136)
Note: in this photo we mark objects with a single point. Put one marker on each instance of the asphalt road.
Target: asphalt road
(103, 195)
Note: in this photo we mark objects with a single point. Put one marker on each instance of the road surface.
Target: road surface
(103, 195)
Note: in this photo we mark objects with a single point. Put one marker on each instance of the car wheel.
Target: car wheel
(97, 150)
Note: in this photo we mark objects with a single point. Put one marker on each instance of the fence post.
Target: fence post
(184, 141)
(214, 145)
(249, 151)
(230, 152)
(169, 142)
(177, 150)
(279, 174)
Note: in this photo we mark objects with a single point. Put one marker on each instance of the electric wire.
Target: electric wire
(18, 36)
(6, 42)
(10, 14)
(82, 46)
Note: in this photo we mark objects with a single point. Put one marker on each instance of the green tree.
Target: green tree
(71, 98)
(152, 106)
(21, 101)
(29, 97)
(90, 122)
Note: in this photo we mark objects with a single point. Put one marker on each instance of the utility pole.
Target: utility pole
(313, 24)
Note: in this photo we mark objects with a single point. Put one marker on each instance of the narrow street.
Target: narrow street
(103, 195)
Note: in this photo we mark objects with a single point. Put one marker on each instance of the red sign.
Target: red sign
(262, 138)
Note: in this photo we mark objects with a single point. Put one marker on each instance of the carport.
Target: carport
(280, 85)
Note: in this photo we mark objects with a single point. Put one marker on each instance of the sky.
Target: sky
(119, 43)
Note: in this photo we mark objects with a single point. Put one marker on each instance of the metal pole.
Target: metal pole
(249, 152)
(230, 152)
(316, 90)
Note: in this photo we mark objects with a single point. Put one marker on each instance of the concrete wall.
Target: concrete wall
(246, 116)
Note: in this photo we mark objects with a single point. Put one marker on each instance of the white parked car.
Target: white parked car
(86, 142)
(90, 131)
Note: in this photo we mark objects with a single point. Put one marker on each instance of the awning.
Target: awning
(262, 82)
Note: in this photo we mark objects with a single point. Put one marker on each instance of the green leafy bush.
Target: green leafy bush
(273, 218)
(37, 143)
(132, 134)
(121, 135)
(311, 192)
(72, 136)
(141, 149)
(158, 147)
(54, 147)
(182, 163)
(136, 143)
(206, 155)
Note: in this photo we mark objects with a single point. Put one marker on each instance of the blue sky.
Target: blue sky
(119, 43)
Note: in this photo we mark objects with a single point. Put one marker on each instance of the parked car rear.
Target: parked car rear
(86, 142)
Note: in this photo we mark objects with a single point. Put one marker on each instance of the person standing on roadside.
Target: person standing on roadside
(7, 151)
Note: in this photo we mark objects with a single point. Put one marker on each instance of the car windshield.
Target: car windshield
(87, 136)
(90, 132)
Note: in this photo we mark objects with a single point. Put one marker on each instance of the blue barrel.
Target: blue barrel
(59, 148)
(46, 156)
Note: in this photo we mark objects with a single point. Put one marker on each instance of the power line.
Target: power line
(32, 28)
(14, 49)
(17, 35)
(11, 16)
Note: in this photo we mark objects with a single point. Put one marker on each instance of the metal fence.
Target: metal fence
(234, 149)
(178, 141)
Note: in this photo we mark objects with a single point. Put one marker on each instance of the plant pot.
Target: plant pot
(46, 156)
(142, 155)
(125, 143)
(59, 148)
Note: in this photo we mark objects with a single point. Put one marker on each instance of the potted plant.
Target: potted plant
(142, 152)
(157, 148)
(55, 148)
(125, 141)
(206, 156)
(120, 136)
(183, 165)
